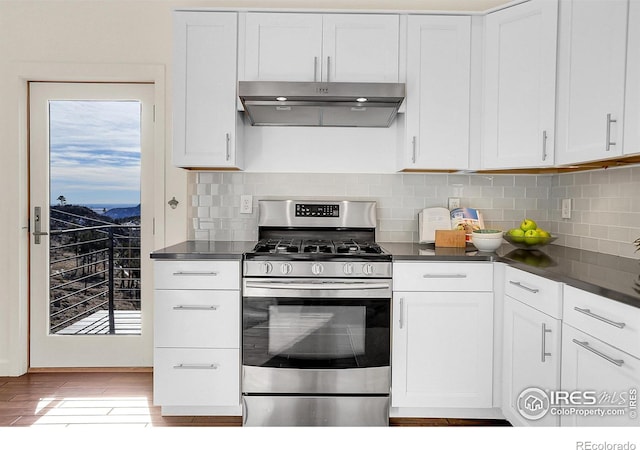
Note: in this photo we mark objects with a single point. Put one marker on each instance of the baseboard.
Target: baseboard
(89, 369)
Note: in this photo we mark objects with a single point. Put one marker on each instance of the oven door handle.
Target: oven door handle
(332, 285)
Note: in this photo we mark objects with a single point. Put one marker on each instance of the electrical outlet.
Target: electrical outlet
(454, 203)
(246, 204)
(566, 208)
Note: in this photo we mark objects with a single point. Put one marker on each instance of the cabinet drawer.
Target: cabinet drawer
(197, 318)
(196, 377)
(197, 274)
(610, 321)
(540, 293)
(419, 276)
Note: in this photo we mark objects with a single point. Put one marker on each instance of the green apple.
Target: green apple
(543, 233)
(531, 237)
(516, 234)
(528, 224)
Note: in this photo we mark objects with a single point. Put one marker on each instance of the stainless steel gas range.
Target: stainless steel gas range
(316, 315)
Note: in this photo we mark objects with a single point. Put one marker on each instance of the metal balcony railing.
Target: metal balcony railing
(94, 266)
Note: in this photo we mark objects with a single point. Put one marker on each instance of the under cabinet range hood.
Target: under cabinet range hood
(317, 104)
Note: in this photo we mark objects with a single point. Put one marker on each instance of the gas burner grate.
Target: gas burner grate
(277, 246)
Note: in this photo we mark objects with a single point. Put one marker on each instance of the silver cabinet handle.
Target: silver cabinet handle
(526, 288)
(544, 145)
(315, 68)
(609, 122)
(195, 274)
(196, 307)
(544, 353)
(228, 144)
(245, 412)
(603, 319)
(401, 314)
(444, 275)
(413, 155)
(328, 68)
(586, 346)
(212, 366)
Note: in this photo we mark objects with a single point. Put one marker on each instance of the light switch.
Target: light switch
(566, 208)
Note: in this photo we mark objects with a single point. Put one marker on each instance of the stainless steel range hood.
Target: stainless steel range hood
(279, 103)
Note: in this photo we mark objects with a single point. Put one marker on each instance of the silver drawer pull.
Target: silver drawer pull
(196, 307)
(545, 330)
(444, 275)
(526, 288)
(196, 366)
(195, 274)
(586, 346)
(603, 319)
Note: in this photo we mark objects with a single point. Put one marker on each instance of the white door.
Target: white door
(531, 358)
(520, 86)
(358, 47)
(591, 78)
(91, 201)
(438, 80)
(442, 354)
(283, 47)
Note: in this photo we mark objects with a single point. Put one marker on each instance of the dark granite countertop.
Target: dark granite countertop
(610, 276)
(204, 250)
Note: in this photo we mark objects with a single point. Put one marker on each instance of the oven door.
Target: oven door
(310, 336)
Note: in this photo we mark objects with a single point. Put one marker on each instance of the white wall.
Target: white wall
(44, 40)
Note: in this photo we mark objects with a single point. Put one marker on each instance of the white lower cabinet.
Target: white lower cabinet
(531, 344)
(612, 376)
(531, 358)
(196, 369)
(442, 352)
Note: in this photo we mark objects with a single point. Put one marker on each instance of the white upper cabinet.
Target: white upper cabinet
(519, 86)
(204, 90)
(632, 102)
(438, 93)
(321, 47)
(591, 79)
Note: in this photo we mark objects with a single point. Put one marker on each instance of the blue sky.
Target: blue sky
(95, 151)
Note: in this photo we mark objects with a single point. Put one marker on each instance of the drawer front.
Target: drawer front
(539, 293)
(459, 277)
(197, 274)
(199, 319)
(196, 377)
(612, 322)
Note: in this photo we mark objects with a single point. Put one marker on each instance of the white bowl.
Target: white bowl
(487, 240)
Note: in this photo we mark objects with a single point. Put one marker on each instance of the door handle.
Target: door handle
(37, 225)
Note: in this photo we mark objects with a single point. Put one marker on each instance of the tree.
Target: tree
(62, 200)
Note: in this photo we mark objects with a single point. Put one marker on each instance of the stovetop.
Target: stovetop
(309, 249)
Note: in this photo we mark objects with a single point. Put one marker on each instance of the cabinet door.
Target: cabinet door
(589, 364)
(519, 86)
(531, 358)
(283, 47)
(591, 79)
(442, 354)
(360, 48)
(632, 100)
(204, 107)
(438, 84)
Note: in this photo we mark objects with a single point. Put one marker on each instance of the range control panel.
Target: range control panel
(315, 210)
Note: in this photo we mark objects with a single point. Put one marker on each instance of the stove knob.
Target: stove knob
(286, 269)
(368, 269)
(317, 268)
(348, 269)
(266, 268)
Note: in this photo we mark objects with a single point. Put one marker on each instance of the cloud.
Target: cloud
(95, 151)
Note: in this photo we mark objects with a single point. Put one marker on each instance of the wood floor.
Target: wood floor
(69, 399)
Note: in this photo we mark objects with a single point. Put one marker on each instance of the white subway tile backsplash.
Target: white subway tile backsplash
(605, 208)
